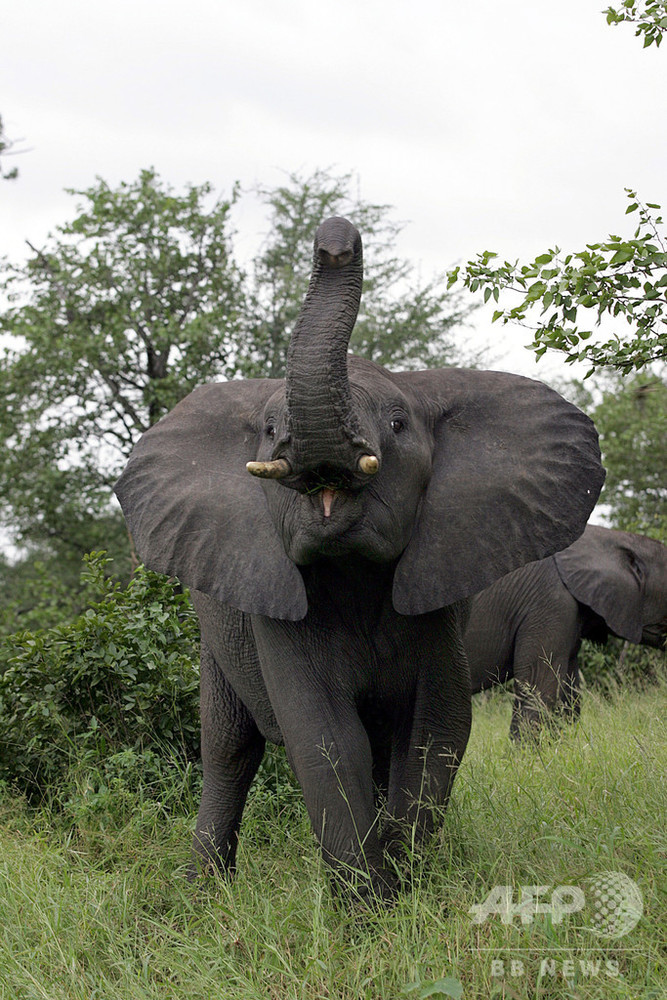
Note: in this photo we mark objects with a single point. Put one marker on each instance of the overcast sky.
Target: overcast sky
(510, 126)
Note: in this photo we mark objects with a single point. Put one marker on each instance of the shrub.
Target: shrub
(123, 675)
(619, 664)
(131, 788)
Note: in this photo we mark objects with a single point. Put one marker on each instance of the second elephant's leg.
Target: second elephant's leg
(571, 696)
(545, 668)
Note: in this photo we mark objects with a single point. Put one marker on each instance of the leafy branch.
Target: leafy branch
(650, 18)
(619, 279)
(6, 146)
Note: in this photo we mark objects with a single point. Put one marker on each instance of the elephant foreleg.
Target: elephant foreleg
(232, 749)
(426, 757)
(329, 750)
(334, 769)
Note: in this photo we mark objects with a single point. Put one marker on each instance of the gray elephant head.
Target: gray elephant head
(622, 577)
(450, 477)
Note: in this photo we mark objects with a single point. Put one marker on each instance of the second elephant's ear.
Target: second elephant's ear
(516, 473)
(603, 571)
(195, 512)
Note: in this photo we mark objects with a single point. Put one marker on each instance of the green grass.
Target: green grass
(94, 902)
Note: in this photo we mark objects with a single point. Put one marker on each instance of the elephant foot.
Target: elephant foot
(393, 840)
(533, 727)
(209, 860)
(375, 889)
(201, 868)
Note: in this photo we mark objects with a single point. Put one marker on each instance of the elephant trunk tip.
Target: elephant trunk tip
(336, 261)
(337, 242)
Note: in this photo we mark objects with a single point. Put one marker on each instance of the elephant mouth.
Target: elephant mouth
(328, 488)
(654, 635)
(325, 498)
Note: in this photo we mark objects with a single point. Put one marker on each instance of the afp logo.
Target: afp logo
(611, 901)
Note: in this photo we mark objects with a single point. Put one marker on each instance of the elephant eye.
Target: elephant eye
(397, 425)
(270, 430)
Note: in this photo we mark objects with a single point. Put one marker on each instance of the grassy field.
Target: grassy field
(94, 902)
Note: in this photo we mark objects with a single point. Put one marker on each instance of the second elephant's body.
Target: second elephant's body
(530, 624)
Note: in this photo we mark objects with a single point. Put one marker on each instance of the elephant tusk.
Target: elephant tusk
(277, 469)
(368, 464)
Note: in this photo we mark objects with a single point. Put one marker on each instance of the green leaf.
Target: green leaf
(535, 291)
(448, 987)
(622, 255)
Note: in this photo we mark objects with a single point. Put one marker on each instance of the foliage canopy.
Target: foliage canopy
(128, 307)
(630, 413)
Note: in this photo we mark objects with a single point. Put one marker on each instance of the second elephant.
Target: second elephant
(530, 624)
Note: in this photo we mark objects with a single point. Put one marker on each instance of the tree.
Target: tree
(121, 314)
(631, 416)
(649, 16)
(402, 323)
(622, 279)
(138, 300)
(617, 278)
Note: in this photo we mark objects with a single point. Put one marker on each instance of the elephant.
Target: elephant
(530, 624)
(330, 527)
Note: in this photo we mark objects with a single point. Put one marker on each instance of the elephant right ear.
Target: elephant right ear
(603, 571)
(194, 511)
(516, 473)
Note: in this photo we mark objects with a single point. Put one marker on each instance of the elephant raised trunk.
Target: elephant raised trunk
(324, 433)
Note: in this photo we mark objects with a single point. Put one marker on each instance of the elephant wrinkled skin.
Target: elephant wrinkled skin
(331, 527)
(530, 624)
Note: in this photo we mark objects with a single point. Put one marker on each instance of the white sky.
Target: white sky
(510, 126)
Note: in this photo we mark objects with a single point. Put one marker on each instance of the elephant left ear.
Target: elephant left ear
(194, 511)
(604, 571)
(516, 473)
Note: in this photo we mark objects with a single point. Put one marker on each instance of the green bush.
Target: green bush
(128, 789)
(123, 675)
(619, 664)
